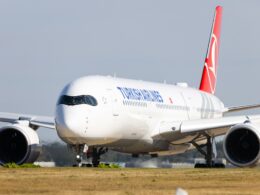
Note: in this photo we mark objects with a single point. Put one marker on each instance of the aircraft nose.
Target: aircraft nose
(67, 122)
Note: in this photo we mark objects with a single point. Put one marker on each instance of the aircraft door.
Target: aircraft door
(113, 102)
(186, 100)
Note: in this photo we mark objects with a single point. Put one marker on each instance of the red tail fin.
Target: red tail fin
(209, 76)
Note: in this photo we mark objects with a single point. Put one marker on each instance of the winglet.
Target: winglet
(209, 76)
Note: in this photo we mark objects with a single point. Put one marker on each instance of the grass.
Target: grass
(128, 181)
(15, 166)
(102, 165)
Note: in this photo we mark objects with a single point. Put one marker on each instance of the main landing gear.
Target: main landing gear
(84, 151)
(96, 153)
(210, 154)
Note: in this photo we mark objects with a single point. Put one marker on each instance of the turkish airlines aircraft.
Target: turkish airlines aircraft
(97, 113)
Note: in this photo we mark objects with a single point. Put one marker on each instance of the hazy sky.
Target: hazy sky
(46, 44)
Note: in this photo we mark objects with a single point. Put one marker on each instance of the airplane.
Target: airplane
(99, 113)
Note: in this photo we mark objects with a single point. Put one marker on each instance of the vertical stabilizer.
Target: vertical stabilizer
(209, 76)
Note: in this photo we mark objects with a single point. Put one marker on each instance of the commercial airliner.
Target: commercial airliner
(99, 113)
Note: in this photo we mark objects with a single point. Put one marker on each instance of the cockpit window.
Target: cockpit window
(77, 100)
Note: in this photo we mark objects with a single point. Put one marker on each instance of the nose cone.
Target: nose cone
(69, 123)
(75, 107)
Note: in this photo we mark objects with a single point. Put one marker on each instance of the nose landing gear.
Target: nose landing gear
(83, 150)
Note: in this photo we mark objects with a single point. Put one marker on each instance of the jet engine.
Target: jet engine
(242, 145)
(19, 144)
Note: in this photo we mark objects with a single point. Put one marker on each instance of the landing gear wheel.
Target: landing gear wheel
(95, 162)
(78, 158)
(97, 152)
(219, 165)
(204, 165)
(80, 151)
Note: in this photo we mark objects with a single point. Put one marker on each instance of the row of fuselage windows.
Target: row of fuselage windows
(172, 107)
(167, 106)
(205, 110)
(134, 103)
(160, 106)
(201, 110)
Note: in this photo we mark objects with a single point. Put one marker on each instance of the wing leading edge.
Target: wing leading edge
(38, 121)
(212, 127)
(241, 108)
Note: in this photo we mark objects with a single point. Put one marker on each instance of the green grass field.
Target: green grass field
(128, 181)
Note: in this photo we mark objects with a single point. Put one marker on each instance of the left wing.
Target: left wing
(240, 108)
(38, 121)
(241, 144)
(174, 131)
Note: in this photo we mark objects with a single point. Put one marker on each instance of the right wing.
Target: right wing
(37, 121)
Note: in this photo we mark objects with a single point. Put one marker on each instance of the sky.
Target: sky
(46, 44)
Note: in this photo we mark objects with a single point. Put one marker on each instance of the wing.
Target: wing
(183, 132)
(240, 108)
(38, 121)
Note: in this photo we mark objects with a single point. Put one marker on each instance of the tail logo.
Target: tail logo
(210, 63)
(209, 75)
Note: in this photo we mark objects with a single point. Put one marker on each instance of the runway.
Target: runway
(129, 181)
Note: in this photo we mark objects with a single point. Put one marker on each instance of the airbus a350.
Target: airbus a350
(99, 113)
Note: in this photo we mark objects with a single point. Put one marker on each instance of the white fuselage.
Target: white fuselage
(128, 113)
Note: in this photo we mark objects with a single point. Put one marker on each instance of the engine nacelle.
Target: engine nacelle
(242, 145)
(19, 144)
